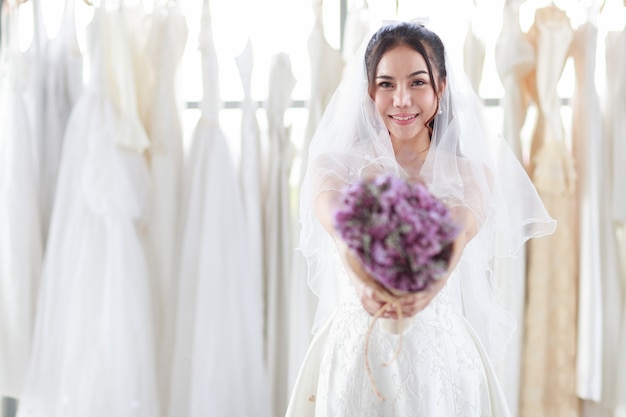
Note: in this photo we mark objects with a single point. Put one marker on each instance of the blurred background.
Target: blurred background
(216, 101)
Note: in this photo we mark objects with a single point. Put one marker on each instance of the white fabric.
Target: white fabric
(587, 139)
(620, 367)
(252, 182)
(218, 367)
(615, 107)
(93, 347)
(166, 40)
(352, 142)
(326, 66)
(615, 110)
(279, 245)
(63, 86)
(474, 51)
(514, 60)
(251, 167)
(442, 369)
(20, 233)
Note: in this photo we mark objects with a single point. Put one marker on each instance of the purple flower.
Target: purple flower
(401, 232)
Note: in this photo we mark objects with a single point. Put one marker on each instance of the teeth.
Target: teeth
(403, 118)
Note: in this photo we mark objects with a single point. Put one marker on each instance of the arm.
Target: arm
(372, 295)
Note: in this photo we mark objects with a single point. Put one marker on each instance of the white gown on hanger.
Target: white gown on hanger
(515, 59)
(600, 296)
(63, 86)
(20, 232)
(218, 368)
(92, 353)
(326, 66)
(587, 144)
(615, 109)
(251, 172)
(474, 50)
(166, 41)
(279, 246)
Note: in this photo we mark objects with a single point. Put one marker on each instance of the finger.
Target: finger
(380, 295)
(372, 307)
(369, 292)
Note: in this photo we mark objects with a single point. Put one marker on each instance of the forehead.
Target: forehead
(401, 60)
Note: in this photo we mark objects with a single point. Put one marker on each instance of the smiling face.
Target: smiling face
(404, 95)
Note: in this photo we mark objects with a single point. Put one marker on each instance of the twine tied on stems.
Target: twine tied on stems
(378, 315)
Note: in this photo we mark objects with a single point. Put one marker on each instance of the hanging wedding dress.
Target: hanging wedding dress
(599, 281)
(218, 367)
(326, 65)
(548, 386)
(252, 180)
(93, 347)
(166, 39)
(586, 142)
(473, 55)
(615, 110)
(20, 232)
(515, 59)
(251, 165)
(279, 246)
(356, 28)
(63, 86)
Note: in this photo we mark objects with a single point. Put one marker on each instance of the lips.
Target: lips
(403, 117)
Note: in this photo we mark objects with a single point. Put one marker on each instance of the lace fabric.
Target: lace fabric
(439, 371)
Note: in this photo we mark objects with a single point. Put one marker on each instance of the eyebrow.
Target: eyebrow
(413, 74)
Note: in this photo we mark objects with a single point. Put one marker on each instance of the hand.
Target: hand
(395, 304)
(374, 296)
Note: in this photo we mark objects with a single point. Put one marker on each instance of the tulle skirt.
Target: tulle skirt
(93, 347)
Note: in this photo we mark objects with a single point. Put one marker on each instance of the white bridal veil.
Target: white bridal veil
(466, 165)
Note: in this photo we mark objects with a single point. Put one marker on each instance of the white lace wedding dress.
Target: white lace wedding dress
(441, 370)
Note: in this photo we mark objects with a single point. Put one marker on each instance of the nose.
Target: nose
(401, 97)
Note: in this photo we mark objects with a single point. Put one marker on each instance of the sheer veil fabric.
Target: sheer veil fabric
(351, 142)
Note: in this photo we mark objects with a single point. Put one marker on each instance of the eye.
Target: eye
(385, 84)
(419, 82)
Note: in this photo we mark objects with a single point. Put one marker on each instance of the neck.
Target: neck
(411, 156)
(407, 151)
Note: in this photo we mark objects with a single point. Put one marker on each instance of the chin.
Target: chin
(404, 136)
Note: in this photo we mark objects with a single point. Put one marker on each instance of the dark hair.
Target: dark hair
(414, 35)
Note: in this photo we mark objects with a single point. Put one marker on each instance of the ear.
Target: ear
(443, 84)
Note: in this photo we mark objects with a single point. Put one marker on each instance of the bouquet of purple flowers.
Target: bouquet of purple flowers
(403, 236)
(399, 230)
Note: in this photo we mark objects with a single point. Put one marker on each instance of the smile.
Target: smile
(404, 118)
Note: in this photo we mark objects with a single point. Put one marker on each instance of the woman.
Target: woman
(402, 110)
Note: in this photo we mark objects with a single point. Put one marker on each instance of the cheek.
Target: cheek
(381, 102)
(429, 102)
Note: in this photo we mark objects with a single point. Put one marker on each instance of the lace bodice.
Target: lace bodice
(439, 370)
